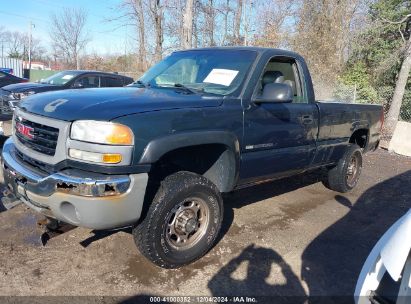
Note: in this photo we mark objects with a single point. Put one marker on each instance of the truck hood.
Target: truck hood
(109, 103)
(30, 86)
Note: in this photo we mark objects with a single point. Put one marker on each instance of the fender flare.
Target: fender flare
(158, 147)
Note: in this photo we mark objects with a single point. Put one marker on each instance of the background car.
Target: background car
(10, 95)
(7, 70)
(6, 79)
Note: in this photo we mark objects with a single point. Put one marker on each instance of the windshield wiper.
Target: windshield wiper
(181, 86)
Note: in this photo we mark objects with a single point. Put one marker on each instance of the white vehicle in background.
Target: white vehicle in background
(386, 274)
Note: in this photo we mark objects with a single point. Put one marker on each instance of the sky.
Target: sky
(107, 37)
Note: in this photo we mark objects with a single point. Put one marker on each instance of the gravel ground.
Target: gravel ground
(289, 237)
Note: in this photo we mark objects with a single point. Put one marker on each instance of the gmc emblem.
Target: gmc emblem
(24, 130)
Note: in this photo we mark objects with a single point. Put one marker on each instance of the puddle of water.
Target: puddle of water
(293, 211)
(33, 239)
(37, 272)
(28, 228)
(140, 270)
(144, 272)
(235, 229)
(28, 220)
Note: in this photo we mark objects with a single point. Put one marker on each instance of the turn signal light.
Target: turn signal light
(112, 158)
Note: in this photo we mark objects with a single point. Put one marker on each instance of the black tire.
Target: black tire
(172, 215)
(339, 178)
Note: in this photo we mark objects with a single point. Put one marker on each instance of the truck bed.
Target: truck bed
(338, 121)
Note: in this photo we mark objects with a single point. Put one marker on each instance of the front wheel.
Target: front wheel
(182, 222)
(345, 175)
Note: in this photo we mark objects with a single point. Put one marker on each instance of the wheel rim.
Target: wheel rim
(353, 170)
(187, 223)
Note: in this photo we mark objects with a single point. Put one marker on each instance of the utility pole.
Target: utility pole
(31, 25)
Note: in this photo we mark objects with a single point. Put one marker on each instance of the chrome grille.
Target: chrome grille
(42, 138)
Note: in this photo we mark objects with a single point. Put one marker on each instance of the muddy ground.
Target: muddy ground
(289, 237)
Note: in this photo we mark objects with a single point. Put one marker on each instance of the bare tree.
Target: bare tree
(157, 12)
(173, 13)
(226, 10)
(68, 32)
(187, 32)
(272, 31)
(237, 21)
(401, 83)
(132, 11)
(17, 45)
(4, 40)
(209, 13)
(137, 6)
(323, 33)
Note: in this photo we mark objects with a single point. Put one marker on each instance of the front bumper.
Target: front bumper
(78, 197)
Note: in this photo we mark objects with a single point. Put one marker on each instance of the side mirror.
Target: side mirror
(276, 93)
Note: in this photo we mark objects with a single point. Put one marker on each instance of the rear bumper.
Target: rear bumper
(78, 197)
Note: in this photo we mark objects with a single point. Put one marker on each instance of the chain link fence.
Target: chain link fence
(405, 113)
(346, 93)
(382, 96)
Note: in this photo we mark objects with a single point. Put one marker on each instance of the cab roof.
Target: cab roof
(274, 51)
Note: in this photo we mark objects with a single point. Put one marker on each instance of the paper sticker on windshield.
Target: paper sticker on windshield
(221, 76)
(67, 77)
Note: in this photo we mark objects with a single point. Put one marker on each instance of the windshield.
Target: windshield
(59, 78)
(210, 71)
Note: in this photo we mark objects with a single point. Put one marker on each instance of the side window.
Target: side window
(111, 82)
(282, 70)
(87, 82)
(2, 75)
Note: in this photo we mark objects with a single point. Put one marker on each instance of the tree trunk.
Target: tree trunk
(237, 23)
(187, 34)
(395, 107)
(208, 27)
(226, 11)
(195, 27)
(157, 11)
(141, 34)
(77, 62)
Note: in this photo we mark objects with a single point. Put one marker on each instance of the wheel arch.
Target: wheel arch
(360, 136)
(213, 154)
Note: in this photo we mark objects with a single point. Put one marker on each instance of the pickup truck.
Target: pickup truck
(157, 155)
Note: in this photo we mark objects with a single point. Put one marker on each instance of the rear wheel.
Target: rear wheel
(183, 221)
(345, 175)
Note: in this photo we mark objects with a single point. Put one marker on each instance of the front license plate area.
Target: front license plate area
(20, 190)
(14, 183)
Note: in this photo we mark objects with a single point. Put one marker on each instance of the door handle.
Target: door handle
(307, 119)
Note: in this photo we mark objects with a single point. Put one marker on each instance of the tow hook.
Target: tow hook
(52, 228)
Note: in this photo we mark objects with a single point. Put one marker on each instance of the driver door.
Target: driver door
(279, 138)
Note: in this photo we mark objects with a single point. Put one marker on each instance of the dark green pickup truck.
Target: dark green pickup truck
(157, 155)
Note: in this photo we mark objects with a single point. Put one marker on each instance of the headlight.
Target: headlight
(102, 132)
(21, 95)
